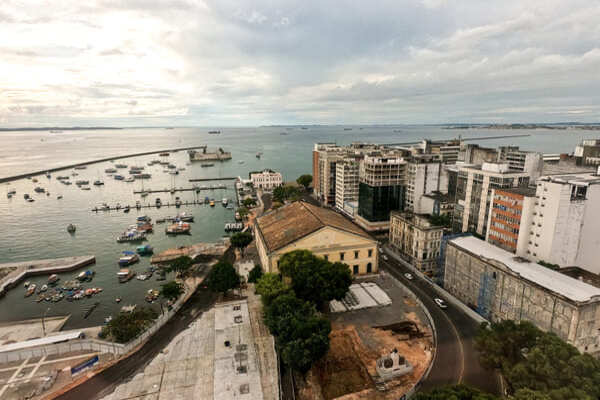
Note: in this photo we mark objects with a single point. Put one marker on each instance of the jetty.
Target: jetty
(181, 189)
(85, 163)
(23, 269)
(211, 179)
(199, 250)
(135, 207)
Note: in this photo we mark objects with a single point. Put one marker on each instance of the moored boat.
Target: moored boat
(71, 228)
(131, 236)
(178, 228)
(128, 258)
(52, 279)
(224, 201)
(30, 290)
(144, 249)
(125, 275)
(87, 275)
(98, 182)
(119, 177)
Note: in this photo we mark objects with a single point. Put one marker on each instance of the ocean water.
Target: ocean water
(38, 230)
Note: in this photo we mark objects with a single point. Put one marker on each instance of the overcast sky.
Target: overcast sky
(222, 62)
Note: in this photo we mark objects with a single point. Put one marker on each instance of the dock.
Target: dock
(181, 189)
(211, 179)
(85, 163)
(23, 269)
(134, 207)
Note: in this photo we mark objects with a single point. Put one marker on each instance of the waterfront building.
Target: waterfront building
(382, 189)
(499, 286)
(346, 183)
(266, 179)
(473, 191)
(510, 219)
(565, 228)
(326, 233)
(417, 240)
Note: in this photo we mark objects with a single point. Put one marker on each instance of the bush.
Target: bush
(171, 290)
(126, 326)
(180, 265)
(241, 239)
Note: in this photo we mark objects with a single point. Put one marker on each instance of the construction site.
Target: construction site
(361, 342)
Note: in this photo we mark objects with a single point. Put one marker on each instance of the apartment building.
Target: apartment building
(588, 152)
(416, 239)
(266, 179)
(510, 219)
(424, 174)
(346, 182)
(437, 203)
(473, 191)
(382, 189)
(499, 286)
(531, 162)
(565, 228)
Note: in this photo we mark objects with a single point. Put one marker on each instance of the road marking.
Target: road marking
(458, 337)
(13, 377)
(52, 361)
(37, 366)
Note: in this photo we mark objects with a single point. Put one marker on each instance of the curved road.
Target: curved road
(456, 360)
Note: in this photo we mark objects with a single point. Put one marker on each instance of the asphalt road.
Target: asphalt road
(106, 381)
(456, 360)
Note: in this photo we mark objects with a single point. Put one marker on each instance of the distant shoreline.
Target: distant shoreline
(58, 128)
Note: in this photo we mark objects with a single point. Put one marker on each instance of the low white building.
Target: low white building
(266, 179)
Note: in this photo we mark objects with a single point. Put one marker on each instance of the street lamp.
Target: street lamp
(43, 324)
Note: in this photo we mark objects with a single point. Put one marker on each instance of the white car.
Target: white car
(385, 257)
(441, 303)
(380, 250)
(408, 276)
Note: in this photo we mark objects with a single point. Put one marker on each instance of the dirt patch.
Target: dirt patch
(348, 370)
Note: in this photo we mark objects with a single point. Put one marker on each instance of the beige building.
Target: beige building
(266, 179)
(301, 225)
(500, 286)
(417, 240)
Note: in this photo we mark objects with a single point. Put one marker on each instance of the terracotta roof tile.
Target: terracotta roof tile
(296, 220)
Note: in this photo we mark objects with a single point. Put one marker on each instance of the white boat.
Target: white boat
(130, 179)
(224, 202)
(98, 182)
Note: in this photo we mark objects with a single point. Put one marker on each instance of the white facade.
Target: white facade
(266, 179)
(522, 161)
(566, 221)
(346, 182)
(423, 178)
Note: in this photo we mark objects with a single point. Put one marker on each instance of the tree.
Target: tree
(180, 265)
(504, 342)
(270, 286)
(305, 180)
(283, 193)
(302, 336)
(249, 202)
(128, 325)
(314, 278)
(223, 277)
(457, 392)
(255, 274)
(243, 211)
(171, 290)
(241, 240)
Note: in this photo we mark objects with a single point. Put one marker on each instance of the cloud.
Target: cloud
(221, 62)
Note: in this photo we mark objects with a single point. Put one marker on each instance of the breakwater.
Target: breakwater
(85, 163)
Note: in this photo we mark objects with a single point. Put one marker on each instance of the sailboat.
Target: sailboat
(143, 193)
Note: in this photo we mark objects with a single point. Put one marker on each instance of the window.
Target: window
(370, 252)
(355, 253)
(342, 256)
(369, 268)
(326, 257)
(355, 269)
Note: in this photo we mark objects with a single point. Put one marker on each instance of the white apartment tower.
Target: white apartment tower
(566, 221)
(346, 182)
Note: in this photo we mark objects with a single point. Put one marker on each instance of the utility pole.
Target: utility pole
(43, 324)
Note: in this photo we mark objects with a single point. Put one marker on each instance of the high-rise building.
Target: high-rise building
(346, 182)
(424, 174)
(565, 229)
(510, 218)
(588, 152)
(523, 161)
(382, 189)
(473, 193)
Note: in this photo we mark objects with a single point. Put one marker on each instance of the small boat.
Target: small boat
(107, 319)
(126, 209)
(110, 170)
(59, 197)
(214, 132)
(144, 249)
(212, 202)
(131, 236)
(128, 258)
(130, 179)
(26, 284)
(26, 196)
(241, 162)
(142, 176)
(87, 275)
(85, 188)
(30, 290)
(178, 228)
(119, 177)
(39, 189)
(98, 182)
(144, 218)
(34, 180)
(152, 295)
(206, 200)
(144, 194)
(129, 308)
(80, 167)
(205, 165)
(9, 195)
(71, 228)
(118, 300)
(224, 201)
(43, 289)
(144, 227)
(185, 217)
(138, 205)
(142, 277)
(258, 155)
(125, 275)
(120, 166)
(82, 182)
(165, 154)
(52, 279)
(31, 200)
(158, 203)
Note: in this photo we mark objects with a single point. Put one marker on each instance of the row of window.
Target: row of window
(356, 254)
(356, 271)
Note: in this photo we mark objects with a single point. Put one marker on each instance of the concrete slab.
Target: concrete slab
(19, 331)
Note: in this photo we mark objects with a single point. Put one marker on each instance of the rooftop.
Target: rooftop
(553, 281)
(575, 179)
(527, 191)
(443, 197)
(421, 221)
(296, 220)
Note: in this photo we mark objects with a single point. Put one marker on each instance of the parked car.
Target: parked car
(380, 250)
(385, 257)
(408, 276)
(441, 303)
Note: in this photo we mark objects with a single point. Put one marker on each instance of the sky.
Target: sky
(259, 62)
